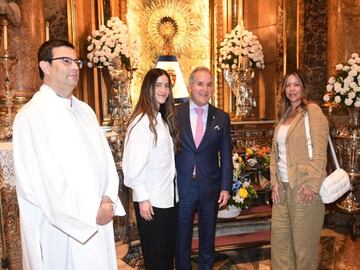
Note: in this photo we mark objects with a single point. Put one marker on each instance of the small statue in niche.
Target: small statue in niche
(168, 28)
(11, 11)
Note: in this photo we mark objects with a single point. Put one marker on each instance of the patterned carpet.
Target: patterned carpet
(337, 252)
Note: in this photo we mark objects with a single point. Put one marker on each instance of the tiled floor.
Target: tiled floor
(337, 252)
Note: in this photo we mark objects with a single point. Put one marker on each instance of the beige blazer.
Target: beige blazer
(300, 168)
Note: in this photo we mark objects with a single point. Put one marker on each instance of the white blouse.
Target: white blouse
(282, 164)
(149, 168)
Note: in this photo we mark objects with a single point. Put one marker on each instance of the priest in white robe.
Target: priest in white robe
(66, 180)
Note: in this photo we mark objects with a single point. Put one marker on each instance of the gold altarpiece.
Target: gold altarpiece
(209, 22)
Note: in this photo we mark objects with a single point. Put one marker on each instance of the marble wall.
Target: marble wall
(314, 54)
(22, 41)
(306, 46)
(260, 17)
(56, 15)
(24, 72)
(343, 31)
(303, 34)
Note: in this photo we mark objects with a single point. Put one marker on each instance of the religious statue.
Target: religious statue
(167, 29)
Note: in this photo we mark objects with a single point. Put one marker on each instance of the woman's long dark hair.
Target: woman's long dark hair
(305, 93)
(146, 105)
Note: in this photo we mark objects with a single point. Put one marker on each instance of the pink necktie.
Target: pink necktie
(199, 133)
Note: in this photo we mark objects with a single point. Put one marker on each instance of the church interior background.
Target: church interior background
(313, 35)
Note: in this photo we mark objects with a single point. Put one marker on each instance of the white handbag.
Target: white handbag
(337, 183)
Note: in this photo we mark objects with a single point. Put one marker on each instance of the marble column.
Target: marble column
(343, 31)
(23, 43)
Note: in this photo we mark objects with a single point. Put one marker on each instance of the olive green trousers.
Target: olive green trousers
(295, 231)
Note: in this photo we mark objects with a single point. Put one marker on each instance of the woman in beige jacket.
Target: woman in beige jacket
(298, 213)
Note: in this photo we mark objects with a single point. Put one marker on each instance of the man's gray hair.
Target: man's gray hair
(197, 69)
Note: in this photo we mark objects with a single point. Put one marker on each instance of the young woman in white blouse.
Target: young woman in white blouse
(149, 169)
(297, 213)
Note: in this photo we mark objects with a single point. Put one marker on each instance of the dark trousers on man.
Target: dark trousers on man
(207, 214)
(158, 237)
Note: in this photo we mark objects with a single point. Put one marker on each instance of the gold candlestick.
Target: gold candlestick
(7, 119)
(5, 36)
(47, 31)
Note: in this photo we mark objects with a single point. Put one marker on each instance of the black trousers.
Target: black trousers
(158, 237)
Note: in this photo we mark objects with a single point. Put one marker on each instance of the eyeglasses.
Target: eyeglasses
(67, 61)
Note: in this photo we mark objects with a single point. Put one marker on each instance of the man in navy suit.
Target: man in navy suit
(204, 169)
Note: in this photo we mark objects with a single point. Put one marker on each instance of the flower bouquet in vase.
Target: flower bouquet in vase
(343, 91)
(257, 160)
(116, 52)
(242, 192)
(113, 41)
(239, 54)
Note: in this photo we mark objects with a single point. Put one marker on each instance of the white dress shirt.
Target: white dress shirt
(149, 168)
(194, 115)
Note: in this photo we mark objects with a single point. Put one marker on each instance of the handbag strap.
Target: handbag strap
(309, 143)
(308, 137)
(333, 154)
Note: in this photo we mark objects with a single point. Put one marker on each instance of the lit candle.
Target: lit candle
(47, 31)
(5, 35)
(241, 33)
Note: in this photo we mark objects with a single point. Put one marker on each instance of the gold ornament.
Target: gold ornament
(169, 21)
(179, 27)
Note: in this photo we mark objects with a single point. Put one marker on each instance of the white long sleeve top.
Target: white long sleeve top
(282, 163)
(149, 168)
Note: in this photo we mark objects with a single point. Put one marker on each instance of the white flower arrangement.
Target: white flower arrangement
(111, 41)
(343, 89)
(240, 42)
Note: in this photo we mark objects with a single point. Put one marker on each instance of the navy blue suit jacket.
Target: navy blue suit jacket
(213, 158)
